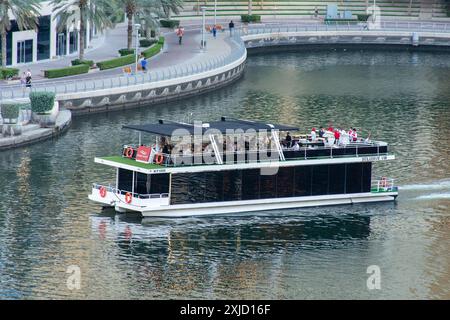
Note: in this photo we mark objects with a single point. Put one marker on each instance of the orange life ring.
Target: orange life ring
(159, 158)
(129, 152)
(128, 197)
(102, 191)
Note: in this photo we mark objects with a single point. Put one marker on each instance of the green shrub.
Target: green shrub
(10, 110)
(161, 40)
(6, 73)
(68, 71)
(116, 62)
(168, 23)
(126, 52)
(77, 62)
(147, 42)
(363, 17)
(42, 102)
(250, 18)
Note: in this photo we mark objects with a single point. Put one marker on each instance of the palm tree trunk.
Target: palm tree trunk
(3, 36)
(82, 35)
(250, 7)
(130, 30)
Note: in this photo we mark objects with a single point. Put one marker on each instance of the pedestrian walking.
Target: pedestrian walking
(214, 31)
(23, 80)
(316, 12)
(231, 27)
(180, 33)
(143, 63)
(28, 79)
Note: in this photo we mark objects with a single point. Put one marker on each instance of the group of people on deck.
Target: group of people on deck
(328, 136)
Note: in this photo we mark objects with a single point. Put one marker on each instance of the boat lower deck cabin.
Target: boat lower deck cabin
(235, 165)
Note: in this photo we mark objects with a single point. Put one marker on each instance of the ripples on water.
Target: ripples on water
(48, 224)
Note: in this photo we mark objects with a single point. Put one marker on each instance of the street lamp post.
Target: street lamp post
(215, 10)
(203, 28)
(136, 27)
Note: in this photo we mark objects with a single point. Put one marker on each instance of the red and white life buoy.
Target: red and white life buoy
(129, 152)
(159, 158)
(128, 197)
(102, 192)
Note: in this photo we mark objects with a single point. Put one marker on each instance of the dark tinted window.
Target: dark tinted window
(125, 180)
(250, 184)
(285, 182)
(214, 186)
(141, 184)
(268, 186)
(320, 180)
(232, 183)
(337, 178)
(366, 176)
(302, 181)
(159, 183)
(354, 178)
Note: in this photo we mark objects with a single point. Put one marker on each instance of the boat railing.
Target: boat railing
(383, 184)
(109, 188)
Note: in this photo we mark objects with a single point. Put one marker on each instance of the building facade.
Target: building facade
(47, 42)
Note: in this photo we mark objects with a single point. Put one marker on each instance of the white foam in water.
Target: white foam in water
(434, 196)
(439, 185)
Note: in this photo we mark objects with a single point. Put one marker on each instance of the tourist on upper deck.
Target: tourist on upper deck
(321, 132)
(313, 135)
(354, 135)
(337, 135)
(296, 146)
(367, 140)
(330, 128)
(288, 140)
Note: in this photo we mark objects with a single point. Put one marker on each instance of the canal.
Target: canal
(47, 223)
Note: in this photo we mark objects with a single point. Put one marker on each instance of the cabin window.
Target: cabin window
(232, 185)
(285, 182)
(250, 184)
(141, 183)
(337, 179)
(158, 183)
(302, 181)
(319, 180)
(214, 186)
(354, 178)
(125, 180)
(268, 186)
(366, 176)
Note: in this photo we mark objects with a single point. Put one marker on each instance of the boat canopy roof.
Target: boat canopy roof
(166, 127)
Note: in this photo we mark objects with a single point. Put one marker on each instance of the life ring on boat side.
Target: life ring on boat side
(159, 158)
(129, 152)
(102, 191)
(128, 197)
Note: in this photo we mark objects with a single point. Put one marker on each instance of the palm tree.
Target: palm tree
(148, 11)
(25, 13)
(93, 11)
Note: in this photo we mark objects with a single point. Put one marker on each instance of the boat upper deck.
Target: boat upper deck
(235, 144)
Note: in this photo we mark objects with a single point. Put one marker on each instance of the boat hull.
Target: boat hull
(243, 206)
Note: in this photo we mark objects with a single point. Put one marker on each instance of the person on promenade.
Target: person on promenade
(214, 31)
(180, 33)
(143, 63)
(231, 27)
(28, 79)
(316, 12)
(23, 80)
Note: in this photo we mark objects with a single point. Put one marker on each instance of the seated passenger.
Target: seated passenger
(321, 132)
(296, 146)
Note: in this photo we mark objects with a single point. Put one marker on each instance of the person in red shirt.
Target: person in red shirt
(337, 135)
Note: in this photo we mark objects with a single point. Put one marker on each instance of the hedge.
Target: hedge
(126, 52)
(147, 42)
(6, 73)
(363, 17)
(68, 71)
(42, 102)
(150, 52)
(10, 110)
(250, 18)
(166, 23)
(77, 62)
(117, 62)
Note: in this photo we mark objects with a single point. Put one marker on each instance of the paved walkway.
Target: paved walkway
(173, 54)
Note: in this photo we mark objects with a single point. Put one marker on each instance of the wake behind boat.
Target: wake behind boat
(233, 165)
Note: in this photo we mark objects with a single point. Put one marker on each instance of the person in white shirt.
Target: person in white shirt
(313, 135)
(296, 146)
